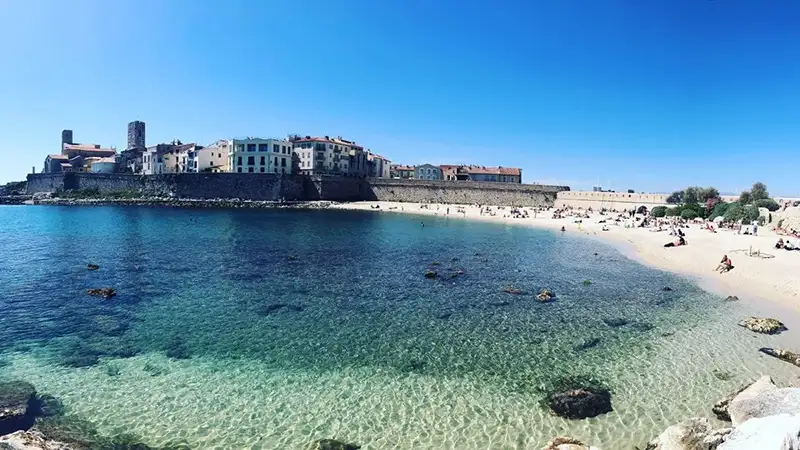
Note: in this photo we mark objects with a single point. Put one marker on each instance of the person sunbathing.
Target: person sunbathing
(681, 241)
(726, 265)
(779, 244)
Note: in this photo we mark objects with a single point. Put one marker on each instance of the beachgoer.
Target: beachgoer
(563, 229)
(681, 241)
(725, 265)
(779, 244)
(423, 224)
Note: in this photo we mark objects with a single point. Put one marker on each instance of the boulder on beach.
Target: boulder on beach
(783, 355)
(580, 403)
(14, 399)
(332, 444)
(720, 408)
(32, 440)
(691, 434)
(769, 403)
(106, 293)
(92, 266)
(779, 432)
(546, 295)
(565, 443)
(764, 325)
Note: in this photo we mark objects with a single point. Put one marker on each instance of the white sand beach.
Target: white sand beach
(773, 276)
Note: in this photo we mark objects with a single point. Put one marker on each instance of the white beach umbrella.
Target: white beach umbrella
(718, 219)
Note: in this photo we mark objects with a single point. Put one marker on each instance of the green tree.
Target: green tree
(719, 210)
(745, 198)
(750, 213)
(658, 211)
(688, 214)
(690, 195)
(706, 194)
(768, 203)
(734, 212)
(759, 191)
(675, 198)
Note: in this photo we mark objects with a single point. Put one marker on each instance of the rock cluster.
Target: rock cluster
(106, 293)
(92, 266)
(784, 355)
(565, 443)
(182, 203)
(332, 444)
(580, 403)
(546, 295)
(512, 290)
(764, 325)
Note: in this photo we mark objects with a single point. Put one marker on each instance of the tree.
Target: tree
(759, 191)
(706, 194)
(672, 212)
(751, 213)
(768, 203)
(631, 191)
(734, 213)
(675, 198)
(688, 214)
(658, 211)
(690, 195)
(745, 198)
(719, 210)
(296, 164)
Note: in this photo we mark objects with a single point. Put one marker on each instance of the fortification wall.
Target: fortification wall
(610, 200)
(460, 192)
(273, 187)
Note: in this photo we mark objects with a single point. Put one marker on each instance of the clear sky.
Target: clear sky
(649, 95)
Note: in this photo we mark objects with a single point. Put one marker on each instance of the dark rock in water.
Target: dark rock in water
(177, 349)
(332, 444)
(45, 406)
(763, 325)
(546, 295)
(453, 259)
(277, 307)
(14, 398)
(732, 298)
(80, 360)
(431, 274)
(499, 303)
(565, 443)
(109, 325)
(721, 375)
(436, 263)
(512, 290)
(666, 289)
(642, 326)
(415, 365)
(444, 315)
(615, 322)
(106, 293)
(291, 257)
(783, 355)
(580, 403)
(587, 344)
(92, 266)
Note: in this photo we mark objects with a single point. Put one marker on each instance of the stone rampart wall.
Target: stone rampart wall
(297, 188)
(610, 200)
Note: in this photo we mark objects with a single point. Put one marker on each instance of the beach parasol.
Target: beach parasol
(718, 219)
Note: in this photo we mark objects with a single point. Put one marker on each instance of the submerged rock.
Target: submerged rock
(764, 325)
(546, 295)
(45, 406)
(332, 444)
(587, 344)
(580, 403)
(32, 440)
(783, 355)
(277, 307)
(92, 266)
(666, 289)
(615, 322)
(565, 443)
(512, 290)
(14, 398)
(775, 432)
(106, 293)
(431, 274)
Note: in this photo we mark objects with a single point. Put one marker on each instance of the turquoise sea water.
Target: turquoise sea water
(273, 328)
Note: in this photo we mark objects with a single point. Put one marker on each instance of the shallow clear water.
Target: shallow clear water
(196, 347)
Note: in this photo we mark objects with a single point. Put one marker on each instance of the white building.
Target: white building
(256, 155)
(167, 158)
(330, 156)
(427, 172)
(213, 158)
(101, 165)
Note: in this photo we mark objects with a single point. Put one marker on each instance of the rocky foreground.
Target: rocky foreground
(179, 202)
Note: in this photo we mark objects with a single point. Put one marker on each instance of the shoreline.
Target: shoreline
(752, 279)
(170, 202)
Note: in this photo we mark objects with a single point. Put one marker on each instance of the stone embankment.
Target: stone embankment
(226, 203)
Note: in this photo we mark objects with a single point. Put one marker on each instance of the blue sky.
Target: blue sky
(648, 95)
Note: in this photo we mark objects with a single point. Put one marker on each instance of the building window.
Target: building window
(284, 150)
(276, 163)
(263, 147)
(283, 162)
(239, 147)
(239, 170)
(239, 161)
(276, 170)
(251, 147)
(262, 170)
(276, 148)
(251, 160)
(250, 169)
(262, 161)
